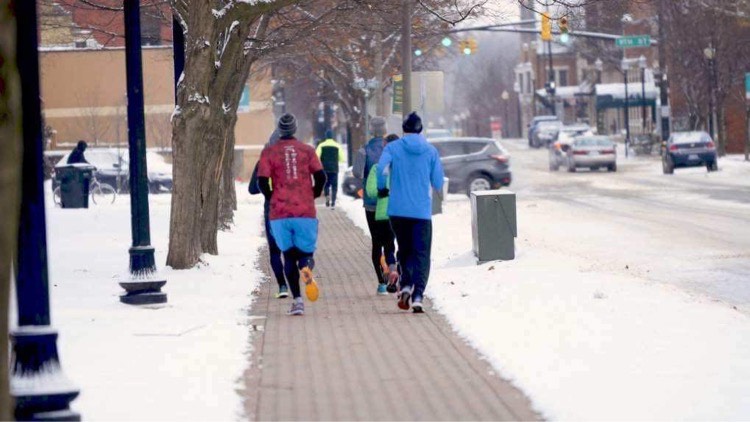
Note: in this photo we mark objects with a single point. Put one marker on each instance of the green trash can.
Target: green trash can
(493, 225)
(74, 182)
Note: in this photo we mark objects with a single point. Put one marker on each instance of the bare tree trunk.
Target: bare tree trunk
(747, 135)
(203, 128)
(357, 122)
(228, 204)
(10, 182)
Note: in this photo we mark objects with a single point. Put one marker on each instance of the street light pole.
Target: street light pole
(34, 342)
(627, 107)
(642, 66)
(144, 285)
(599, 66)
(406, 56)
(178, 48)
(710, 53)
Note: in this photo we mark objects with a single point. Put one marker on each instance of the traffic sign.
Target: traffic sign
(747, 86)
(398, 94)
(634, 41)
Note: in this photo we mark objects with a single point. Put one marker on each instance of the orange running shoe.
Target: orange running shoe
(311, 286)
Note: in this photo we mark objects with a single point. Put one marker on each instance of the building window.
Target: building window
(562, 78)
(520, 82)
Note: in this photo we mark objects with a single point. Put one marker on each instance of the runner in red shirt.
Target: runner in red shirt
(292, 166)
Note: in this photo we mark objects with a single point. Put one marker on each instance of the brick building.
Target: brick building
(83, 86)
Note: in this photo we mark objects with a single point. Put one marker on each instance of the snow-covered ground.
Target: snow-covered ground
(600, 315)
(180, 361)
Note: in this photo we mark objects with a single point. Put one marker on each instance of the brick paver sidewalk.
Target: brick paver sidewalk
(356, 356)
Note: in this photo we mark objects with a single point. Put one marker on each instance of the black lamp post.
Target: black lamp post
(40, 388)
(625, 66)
(710, 53)
(178, 50)
(144, 284)
(642, 66)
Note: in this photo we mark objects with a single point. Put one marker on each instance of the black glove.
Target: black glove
(383, 193)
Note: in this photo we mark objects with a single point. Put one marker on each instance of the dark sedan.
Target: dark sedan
(689, 149)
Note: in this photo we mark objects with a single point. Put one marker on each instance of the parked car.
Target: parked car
(545, 133)
(584, 151)
(473, 164)
(351, 185)
(112, 168)
(533, 125)
(689, 149)
(437, 133)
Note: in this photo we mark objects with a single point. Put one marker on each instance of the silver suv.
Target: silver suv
(473, 164)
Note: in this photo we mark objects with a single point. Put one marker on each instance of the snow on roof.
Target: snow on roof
(634, 90)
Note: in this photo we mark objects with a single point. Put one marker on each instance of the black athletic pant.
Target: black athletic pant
(274, 253)
(382, 242)
(332, 184)
(414, 238)
(295, 260)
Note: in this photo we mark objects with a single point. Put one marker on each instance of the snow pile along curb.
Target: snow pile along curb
(180, 361)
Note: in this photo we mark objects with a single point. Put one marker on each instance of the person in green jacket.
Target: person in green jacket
(381, 231)
(331, 154)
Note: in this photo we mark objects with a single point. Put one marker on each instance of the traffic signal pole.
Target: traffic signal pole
(551, 78)
(406, 56)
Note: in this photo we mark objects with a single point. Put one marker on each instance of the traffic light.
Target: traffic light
(546, 28)
(468, 46)
(473, 45)
(564, 31)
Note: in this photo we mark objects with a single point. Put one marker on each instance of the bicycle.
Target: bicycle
(101, 193)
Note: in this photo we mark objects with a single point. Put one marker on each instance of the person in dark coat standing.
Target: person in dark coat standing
(274, 253)
(77, 156)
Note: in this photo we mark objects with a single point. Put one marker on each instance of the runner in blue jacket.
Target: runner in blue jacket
(415, 170)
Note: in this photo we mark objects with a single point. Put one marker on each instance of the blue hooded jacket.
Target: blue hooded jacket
(415, 168)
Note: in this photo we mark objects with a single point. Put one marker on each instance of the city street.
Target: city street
(689, 229)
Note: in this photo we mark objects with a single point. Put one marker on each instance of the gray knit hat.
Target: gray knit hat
(287, 126)
(377, 127)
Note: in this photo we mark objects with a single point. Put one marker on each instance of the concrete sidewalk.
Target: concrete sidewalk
(356, 356)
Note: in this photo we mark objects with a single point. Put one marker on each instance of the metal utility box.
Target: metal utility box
(493, 225)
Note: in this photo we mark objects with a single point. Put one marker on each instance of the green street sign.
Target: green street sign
(747, 86)
(398, 94)
(634, 41)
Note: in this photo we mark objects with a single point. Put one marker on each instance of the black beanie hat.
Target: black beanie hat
(287, 126)
(412, 124)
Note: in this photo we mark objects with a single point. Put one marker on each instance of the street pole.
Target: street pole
(642, 65)
(34, 342)
(627, 109)
(406, 56)
(551, 78)
(712, 99)
(144, 285)
(178, 48)
(663, 83)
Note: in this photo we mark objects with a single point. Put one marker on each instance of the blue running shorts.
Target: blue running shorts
(299, 232)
